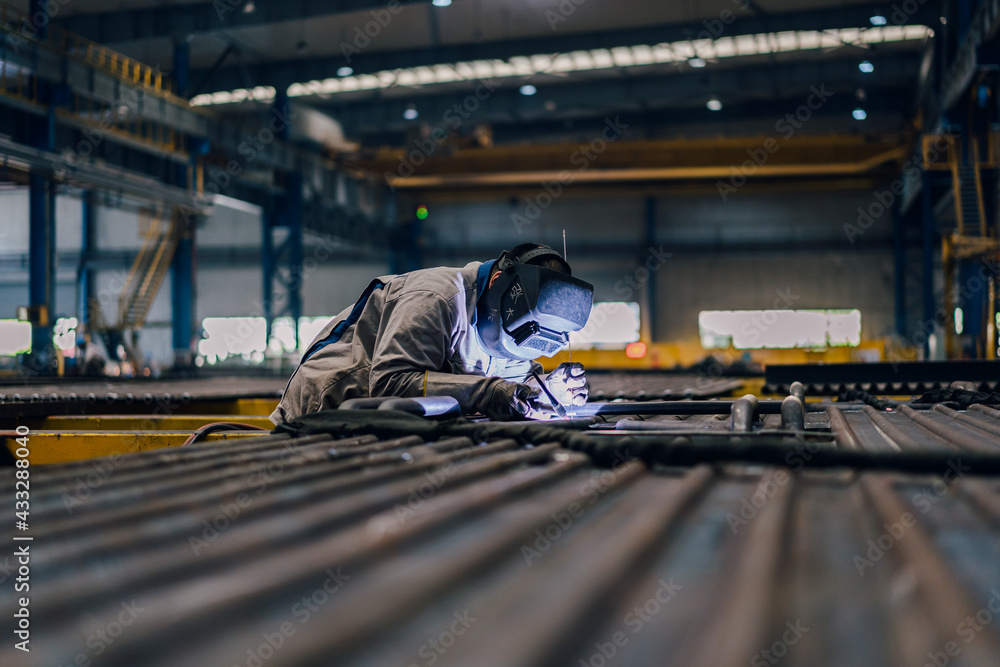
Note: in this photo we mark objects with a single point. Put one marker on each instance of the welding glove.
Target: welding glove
(568, 383)
(504, 400)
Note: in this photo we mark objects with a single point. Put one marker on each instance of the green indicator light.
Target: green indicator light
(421, 212)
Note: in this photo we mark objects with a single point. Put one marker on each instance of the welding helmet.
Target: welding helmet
(529, 310)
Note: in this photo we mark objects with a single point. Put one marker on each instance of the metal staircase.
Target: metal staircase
(150, 267)
(148, 271)
(969, 213)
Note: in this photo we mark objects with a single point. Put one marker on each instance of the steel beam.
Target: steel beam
(650, 287)
(982, 27)
(41, 272)
(182, 66)
(282, 264)
(194, 19)
(41, 233)
(890, 372)
(899, 271)
(84, 274)
(929, 234)
(182, 299)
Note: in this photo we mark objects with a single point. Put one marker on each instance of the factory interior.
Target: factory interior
(268, 396)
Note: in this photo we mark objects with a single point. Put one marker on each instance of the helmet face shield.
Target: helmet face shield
(529, 311)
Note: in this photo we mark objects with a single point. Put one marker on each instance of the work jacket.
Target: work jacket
(412, 334)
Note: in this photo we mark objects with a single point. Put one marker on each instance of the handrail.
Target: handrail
(18, 25)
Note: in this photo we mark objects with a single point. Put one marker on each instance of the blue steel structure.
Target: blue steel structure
(899, 272)
(282, 261)
(651, 301)
(42, 230)
(84, 274)
(182, 270)
(929, 240)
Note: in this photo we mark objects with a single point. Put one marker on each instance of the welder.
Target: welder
(472, 333)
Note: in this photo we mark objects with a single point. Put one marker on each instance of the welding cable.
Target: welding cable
(852, 395)
(203, 431)
(962, 397)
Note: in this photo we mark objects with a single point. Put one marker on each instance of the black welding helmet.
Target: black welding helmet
(529, 310)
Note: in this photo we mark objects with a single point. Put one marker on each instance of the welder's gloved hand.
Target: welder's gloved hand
(568, 383)
(504, 400)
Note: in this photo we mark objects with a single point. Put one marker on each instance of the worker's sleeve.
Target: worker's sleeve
(412, 349)
(520, 371)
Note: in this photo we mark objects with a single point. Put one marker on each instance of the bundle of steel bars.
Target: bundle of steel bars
(716, 533)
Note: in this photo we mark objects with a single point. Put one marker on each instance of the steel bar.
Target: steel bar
(744, 621)
(375, 599)
(989, 412)
(677, 408)
(123, 490)
(296, 483)
(959, 435)
(902, 438)
(976, 421)
(165, 553)
(620, 540)
(705, 447)
(943, 597)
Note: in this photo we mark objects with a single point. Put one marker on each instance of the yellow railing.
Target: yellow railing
(96, 55)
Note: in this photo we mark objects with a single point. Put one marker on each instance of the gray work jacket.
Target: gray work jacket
(408, 335)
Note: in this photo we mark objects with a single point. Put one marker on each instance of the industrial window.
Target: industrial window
(243, 337)
(753, 329)
(283, 334)
(612, 325)
(15, 337)
(226, 337)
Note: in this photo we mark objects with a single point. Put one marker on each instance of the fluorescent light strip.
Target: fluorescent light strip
(584, 61)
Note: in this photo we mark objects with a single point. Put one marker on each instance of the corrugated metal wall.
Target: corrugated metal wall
(743, 253)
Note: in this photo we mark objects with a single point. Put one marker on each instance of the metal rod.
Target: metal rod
(569, 342)
(556, 405)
